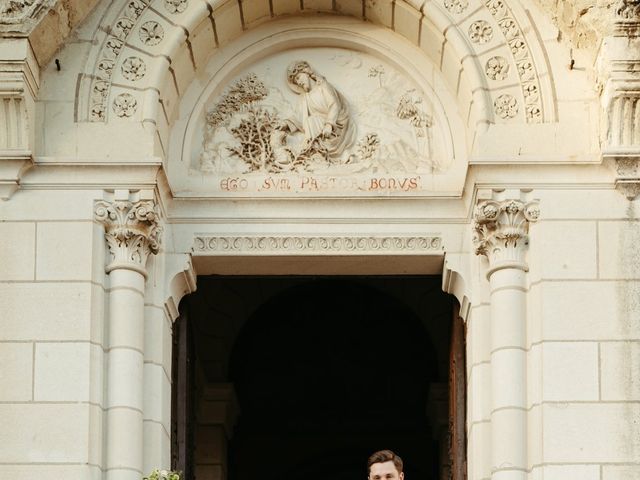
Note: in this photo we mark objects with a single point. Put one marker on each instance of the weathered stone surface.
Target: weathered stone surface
(583, 22)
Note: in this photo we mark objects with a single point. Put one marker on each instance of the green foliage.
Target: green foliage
(163, 475)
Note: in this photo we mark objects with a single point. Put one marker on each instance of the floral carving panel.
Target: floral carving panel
(320, 120)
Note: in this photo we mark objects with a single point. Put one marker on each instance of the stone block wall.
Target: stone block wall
(52, 348)
(583, 323)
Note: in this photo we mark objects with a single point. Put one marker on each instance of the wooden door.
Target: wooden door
(457, 398)
(182, 397)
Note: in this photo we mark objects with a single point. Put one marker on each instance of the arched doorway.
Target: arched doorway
(325, 370)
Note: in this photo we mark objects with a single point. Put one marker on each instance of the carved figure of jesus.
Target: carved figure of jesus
(322, 115)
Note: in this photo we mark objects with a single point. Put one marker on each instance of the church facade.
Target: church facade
(149, 145)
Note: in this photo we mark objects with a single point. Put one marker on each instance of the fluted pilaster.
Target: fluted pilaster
(619, 74)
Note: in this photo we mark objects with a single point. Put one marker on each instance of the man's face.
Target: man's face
(385, 471)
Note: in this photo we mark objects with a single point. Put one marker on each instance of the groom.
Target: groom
(385, 465)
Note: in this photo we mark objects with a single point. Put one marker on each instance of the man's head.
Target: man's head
(385, 465)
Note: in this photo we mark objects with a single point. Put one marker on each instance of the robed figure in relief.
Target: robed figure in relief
(322, 115)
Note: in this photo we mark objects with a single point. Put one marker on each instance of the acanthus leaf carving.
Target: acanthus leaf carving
(12, 11)
(501, 231)
(628, 9)
(132, 232)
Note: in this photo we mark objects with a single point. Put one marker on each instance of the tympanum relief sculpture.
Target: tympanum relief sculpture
(336, 120)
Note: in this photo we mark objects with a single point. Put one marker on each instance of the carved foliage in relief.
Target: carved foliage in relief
(132, 232)
(628, 9)
(456, 6)
(110, 54)
(506, 106)
(254, 123)
(497, 68)
(133, 68)
(501, 230)
(497, 8)
(524, 62)
(208, 244)
(125, 105)
(480, 32)
(175, 6)
(151, 33)
(14, 10)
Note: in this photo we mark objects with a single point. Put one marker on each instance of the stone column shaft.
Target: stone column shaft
(132, 233)
(124, 377)
(502, 235)
(508, 373)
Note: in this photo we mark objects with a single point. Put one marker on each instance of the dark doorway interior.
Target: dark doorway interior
(326, 371)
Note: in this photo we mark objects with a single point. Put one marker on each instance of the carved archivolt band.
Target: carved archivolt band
(132, 232)
(207, 245)
(501, 232)
(132, 17)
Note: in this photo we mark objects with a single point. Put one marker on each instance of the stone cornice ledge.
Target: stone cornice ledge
(205, 245)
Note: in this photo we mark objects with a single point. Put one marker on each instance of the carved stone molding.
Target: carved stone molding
(180, 280)
(501, 232)
(21, 15)
(619, 76)
(132, 68)
(259, 245)
(19, 76)
(132, 232)
(523, 58)
(628, 176)
(628, 16)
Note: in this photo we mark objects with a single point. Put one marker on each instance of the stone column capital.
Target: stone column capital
(501, 232)
(628, 9)
(132, 232)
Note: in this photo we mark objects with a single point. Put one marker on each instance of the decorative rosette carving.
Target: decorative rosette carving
(506, 106)
(515, 38)
(125, 105)
(456, 6)
(132, 232)
(501, 231)
(175, 6)
(480, 32)
(497, 68)
(133, 68)
(151, 33)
